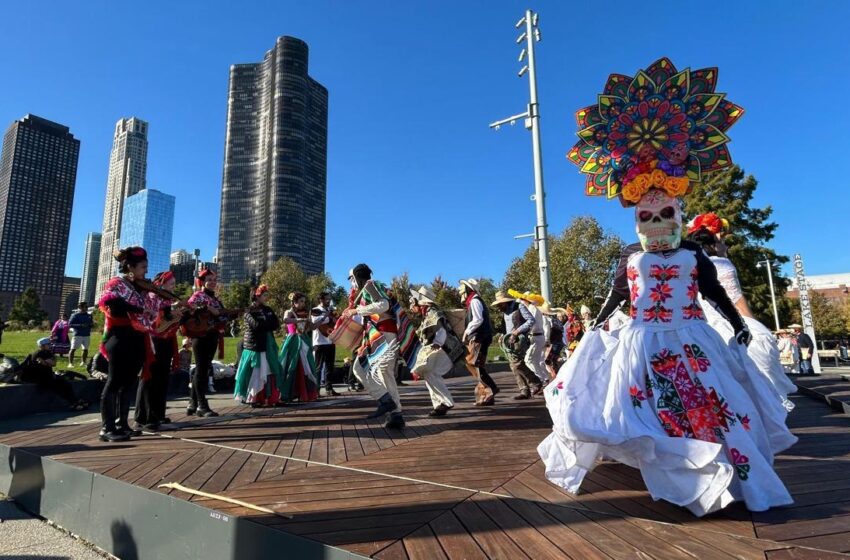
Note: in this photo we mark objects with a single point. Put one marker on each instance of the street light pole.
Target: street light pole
(769, 266)
(532, 123)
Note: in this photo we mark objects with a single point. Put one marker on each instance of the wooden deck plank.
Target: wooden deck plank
(422, 544)
(456, 542)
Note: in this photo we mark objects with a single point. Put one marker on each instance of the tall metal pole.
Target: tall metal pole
(532, 123)
(539, 194)
(772, 293)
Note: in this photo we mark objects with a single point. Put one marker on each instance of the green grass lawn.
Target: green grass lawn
(18, 344)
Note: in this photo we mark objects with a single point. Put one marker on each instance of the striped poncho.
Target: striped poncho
(374, 342)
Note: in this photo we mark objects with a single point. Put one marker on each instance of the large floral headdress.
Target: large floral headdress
(660, 129)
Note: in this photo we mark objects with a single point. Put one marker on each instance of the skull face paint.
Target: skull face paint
(658, 220)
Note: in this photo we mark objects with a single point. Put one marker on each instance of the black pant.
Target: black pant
(325, 355)
(47, 381)
(152, 395)
(204, 349)
(125, 349)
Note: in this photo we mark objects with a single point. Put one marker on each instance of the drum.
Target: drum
(347, 334)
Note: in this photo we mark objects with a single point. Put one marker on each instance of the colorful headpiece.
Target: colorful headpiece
(659, 129)
(202, 275)
(163, 277)
(709, 221)
(535, 299)
(130, 255)
(261, 289)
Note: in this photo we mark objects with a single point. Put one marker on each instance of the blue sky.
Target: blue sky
(413, 86)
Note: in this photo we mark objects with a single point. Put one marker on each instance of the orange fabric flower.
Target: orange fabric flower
(658, 178)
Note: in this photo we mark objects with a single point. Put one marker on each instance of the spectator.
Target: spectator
(807, 349)
(38, 369)
(59, 335)
(186, 356)
(80, 324)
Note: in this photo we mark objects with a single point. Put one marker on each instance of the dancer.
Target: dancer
(296, 355)
(152, 394)
(126, 342)
(707, 230)
(554, 335)
(208, 325)
(375, 363)
(533, 326)
(515, 347)
(433, 362)
(478, 336)
(324, 350)
(662, 396)
(59, 336)
(259, 375)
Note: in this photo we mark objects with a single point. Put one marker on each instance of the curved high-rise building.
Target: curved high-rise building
(274, 184)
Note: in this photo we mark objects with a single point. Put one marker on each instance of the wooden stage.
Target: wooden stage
(469, 485)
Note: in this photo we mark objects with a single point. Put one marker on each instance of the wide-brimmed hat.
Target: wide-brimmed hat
(795, 326)
(547, 309)
(529, 297)
(423, 295)
(470, 283)
(501, 297)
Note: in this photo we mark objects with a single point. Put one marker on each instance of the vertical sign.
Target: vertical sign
(806, 308)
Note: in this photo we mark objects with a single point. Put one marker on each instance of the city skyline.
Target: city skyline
(38, 174)
(148, 221)
(274, 185)
(410, 114)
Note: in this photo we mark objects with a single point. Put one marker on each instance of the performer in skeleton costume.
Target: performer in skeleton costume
(767, 379)
(388, 335)
(662, 396)
(433, 361)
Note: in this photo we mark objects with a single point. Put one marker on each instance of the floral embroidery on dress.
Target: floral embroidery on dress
(741, 462)
(745, 421)
(697, 358)
(632, 273)
(661, 293)
(693, 310)
(637, 396)
(557, 388)
(664, 272)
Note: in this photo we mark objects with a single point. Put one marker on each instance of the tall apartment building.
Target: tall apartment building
(38, 173)
(181, 256)
(91, 258)
(128, 163)
(274, 186)
(148, 221)
(70, 295)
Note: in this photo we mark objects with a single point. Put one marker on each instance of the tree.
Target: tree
(318, 283)
(236, 295)
(828, 316)
(729, 194)
(27, 308)
(582, 261)
(447, 296)
(400, 288)
(183, 290)
(283, 278)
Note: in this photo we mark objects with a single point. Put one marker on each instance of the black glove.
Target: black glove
(743, 336)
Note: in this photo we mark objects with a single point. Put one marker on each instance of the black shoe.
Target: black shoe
(190, 411)
(329, 392)
(151, 427)
(439, 410)
(112, 436)
(495, 390)
(129, 432)
(165, 420)
(396, 421)
(385, 404)
(524, 395)
(206, 413)
(536, 390)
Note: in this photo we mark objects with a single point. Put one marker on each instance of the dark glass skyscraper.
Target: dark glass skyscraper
(38, 172)
(91, 259)
(274, 187)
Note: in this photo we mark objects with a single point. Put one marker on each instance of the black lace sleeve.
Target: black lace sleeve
(711, 288)
(620, 289)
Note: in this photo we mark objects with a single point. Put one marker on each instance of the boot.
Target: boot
(108, 432)
(395, 422)
(123, 424)
(439, 410)
(537, 389)
(525, 394)
(329, 391)
(385, 404)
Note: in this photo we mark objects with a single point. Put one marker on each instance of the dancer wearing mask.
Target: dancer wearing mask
(478, 336)
(433, 361)
(662, 396)
(533, 325)
(515, 347)
(375, 363)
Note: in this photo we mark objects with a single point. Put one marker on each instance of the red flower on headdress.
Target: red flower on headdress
(163, 277)
(261, 289)
(709, 221)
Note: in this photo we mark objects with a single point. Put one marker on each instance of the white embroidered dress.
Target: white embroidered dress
(661, 397)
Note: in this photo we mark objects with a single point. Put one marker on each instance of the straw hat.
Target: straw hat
(423, 295)
(547, 309)
(470, 283)
(795, 326)
(501, 297)
(534, 299)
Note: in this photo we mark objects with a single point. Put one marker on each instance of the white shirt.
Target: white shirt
(318, 338)
(477, 310)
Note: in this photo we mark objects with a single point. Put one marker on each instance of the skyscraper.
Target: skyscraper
(149, 221)
(88, 281)
(128, 165)
(38, 172)
(70, 295)
(274, 186)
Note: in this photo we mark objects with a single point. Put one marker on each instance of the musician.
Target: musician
(152, 398)
(259, 375)
(324, 350)
(205, 346)
(126, 342)
(296, 358)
